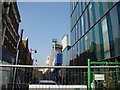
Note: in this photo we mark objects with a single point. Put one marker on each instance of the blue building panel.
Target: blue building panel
(6, 57)
(58, 59)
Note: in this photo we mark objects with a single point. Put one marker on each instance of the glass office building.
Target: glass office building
(95, 32)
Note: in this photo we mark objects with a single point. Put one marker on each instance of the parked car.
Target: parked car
(47, 82)
(34, 82)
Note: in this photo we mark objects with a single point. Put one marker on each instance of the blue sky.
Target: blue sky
(41, 23)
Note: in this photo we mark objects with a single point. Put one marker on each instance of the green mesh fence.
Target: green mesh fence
(104, 78)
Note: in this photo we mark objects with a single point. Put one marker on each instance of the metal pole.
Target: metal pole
(105, 62)
(89, 84)
(17, 57)
(117, 74)
(60, 67)
(54, 54)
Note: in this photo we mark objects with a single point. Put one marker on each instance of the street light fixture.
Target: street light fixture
(34, 51)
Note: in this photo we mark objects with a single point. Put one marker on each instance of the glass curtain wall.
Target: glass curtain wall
(95, 31)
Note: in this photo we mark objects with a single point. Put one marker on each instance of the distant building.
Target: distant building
(49, 61)
(66, 56)
(65, 50)
(56, 49)
(64, 41)
(25, 53)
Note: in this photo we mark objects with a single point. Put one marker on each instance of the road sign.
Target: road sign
(99, 77)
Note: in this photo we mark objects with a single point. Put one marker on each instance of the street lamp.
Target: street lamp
(35, 61)
(34, 51)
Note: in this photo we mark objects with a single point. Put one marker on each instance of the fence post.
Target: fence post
(89, 84)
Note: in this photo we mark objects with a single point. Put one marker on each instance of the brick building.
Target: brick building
(10, 26)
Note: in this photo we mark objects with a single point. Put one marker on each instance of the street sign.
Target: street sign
(99, 77)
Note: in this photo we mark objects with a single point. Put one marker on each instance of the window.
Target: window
(105, 38)
(82, 24)
(77, 33)
(84, 5)
(73, 19)
(74, 52)
(71, 7)
(90, 14)
(77, 11)
(105, 7)
(74, 35)
(115, 23)
(100, 9)
(79, 46)
(97, 42)
(91, 41)
(86, 20)
(80, 8)
(97, 12)
(80, 30)
(110, 33)
(76, 49)
(110, 4)
(87, 41)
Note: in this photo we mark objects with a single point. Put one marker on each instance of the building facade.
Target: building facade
(10, 26)
(8, 40)
(25, 55)
(95, 32)
(10, 19)
(0, 30)
(65, 50)
(56, 49)
(64, 41)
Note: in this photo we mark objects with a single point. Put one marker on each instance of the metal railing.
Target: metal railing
(66, 77)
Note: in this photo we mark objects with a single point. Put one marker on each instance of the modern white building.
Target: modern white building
(56, 48)
(49, 61)
(64, 41)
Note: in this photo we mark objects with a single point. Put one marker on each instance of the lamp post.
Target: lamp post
(34, 51)
(34, 63)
